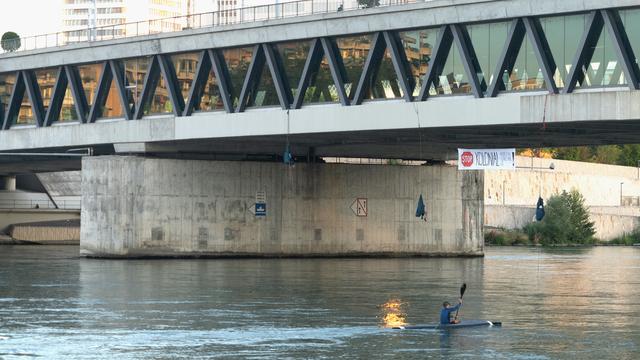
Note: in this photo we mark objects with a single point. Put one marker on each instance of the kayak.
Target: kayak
(461, 324)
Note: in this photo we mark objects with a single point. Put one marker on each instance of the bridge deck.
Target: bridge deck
(466, 73)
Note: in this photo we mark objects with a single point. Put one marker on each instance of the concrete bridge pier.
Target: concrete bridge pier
(8, 183)
(142, 207)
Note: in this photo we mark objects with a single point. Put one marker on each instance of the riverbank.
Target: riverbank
(58, 232)
(505, 237)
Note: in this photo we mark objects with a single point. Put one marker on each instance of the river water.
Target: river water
(554, 304)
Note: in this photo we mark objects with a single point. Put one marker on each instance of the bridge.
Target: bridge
(413, 81)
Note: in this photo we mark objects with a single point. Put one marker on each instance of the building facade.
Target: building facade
(80, 17)
(238, 11)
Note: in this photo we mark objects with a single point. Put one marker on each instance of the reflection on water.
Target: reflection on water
(570, 303)
(392, 314)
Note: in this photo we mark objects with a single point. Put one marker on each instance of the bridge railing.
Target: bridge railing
(194, 21)
(39, 204)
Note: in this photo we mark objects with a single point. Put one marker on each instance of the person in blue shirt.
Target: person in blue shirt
(447, 310)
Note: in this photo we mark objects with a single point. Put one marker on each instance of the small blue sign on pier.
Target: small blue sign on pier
(261, 209)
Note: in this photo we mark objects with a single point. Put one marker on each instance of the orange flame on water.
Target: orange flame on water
(392, 314)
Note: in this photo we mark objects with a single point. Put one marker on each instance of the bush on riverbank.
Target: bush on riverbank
(627, 239)
(566, 222)
(503, 237)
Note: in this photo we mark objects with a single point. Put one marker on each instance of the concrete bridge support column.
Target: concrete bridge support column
(8, 183)
(138, 207)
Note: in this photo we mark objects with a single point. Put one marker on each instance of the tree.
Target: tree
(629, 155)
(566, 222)
(576, 153)
(10, 41)
(364, 4)
(607, 154)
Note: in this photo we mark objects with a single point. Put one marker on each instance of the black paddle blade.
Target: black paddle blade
(463, 289)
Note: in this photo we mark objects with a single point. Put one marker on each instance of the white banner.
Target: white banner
(486, 159)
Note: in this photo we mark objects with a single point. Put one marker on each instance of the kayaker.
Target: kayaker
(447, 310)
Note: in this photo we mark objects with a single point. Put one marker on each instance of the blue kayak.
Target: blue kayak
(461, 324)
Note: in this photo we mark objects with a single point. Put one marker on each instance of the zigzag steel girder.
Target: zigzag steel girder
(266, 55)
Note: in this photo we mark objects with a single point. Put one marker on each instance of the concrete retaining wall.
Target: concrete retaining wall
(608, 223)
(65, 232)
(510, 196)
(151, 207)
(17, 216)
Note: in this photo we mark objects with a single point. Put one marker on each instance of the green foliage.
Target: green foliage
(10, 41)
(501, 237)
(607, 154)
(368, 3)
(625, 155)
(566, 222)
(576, 153)
(629, 155)
(626, 239)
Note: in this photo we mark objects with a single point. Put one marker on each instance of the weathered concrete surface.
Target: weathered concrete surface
(64, 187)
(62, 232)
(380, 123)
(6, 239)
(608, 225)
(62, 184)
(600, 184)
(612, 193)
(16, 216)
(8, 183)
(150, 207)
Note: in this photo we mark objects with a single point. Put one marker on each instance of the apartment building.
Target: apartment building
(80, 17)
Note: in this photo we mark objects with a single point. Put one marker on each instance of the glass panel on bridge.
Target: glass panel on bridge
(89, 76)
(321, 87)
(211, 99)
(113, 106)
(46, 79)
(385, 85)
(185, 66)
(160, 102)
(354, 51)
(526, 73)
(264, 94)
(238, 61)
(25, 115)
(418, 46)
(68, 111)
(488, 40)
(453, 80)
(7, 81)
(563, 34)
(293, 56)
(604, 69)
(631, 22)
(135, 70)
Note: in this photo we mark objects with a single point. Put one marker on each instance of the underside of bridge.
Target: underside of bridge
(432, 144)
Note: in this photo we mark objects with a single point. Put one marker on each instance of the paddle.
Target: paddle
(462, 290)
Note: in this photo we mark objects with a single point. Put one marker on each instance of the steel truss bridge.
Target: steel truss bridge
(410, 84)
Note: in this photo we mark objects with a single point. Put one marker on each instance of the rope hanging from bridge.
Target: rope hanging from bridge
(540, 204)
(544, 113)
(421, 209)
(287, 156)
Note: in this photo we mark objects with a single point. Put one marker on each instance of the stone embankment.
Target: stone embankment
(60, 232)
(612, 193)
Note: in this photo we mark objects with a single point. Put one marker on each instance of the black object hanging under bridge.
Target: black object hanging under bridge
(287, 157)
(421, 210)
(540, 209)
